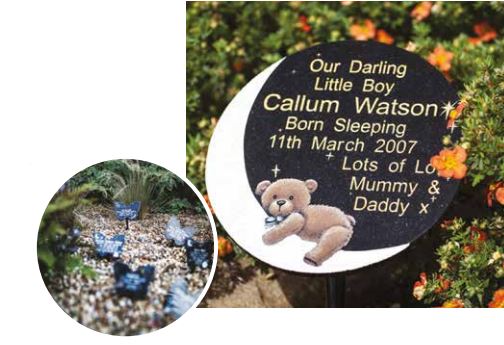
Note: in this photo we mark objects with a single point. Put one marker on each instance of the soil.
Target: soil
(387, 284)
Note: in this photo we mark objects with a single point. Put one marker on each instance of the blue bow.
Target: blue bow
(271, 221)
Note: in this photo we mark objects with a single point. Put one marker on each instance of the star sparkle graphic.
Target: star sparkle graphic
(275, 170)
(447, 108)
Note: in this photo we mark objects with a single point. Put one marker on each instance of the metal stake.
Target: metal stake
(335, 290)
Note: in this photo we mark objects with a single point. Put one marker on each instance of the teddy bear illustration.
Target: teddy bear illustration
(287, 201)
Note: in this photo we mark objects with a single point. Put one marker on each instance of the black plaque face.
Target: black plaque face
(362, 119)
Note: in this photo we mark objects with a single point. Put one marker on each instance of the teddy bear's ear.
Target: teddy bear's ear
(262, 186)
(311, 185)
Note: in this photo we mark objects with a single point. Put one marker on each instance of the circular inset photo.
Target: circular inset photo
(125, 247)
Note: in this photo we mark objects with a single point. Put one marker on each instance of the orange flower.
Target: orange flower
(495, 190)
(448, 76)
(446, 223)
(450, 163)
(303, 24)
(224, 247)
(453, 303)
(441, 58)
(364, 31)
(455, 113)
(469, 249)
(498, 299)
(238, 65)
(444, 284)
(484, 32)
(419, 286)
(383, 37)
(499, 195)
(477, 234)
(207, 199)
(421, 10)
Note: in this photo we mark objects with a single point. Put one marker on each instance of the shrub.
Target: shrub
(471, 260)
(57, 221)
(128, 180)
(471, 264)
(482, 125)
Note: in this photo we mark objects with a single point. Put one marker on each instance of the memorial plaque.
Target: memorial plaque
(198, 253)
(179, 299)
(176, 233)
(133, 284)
(335, 148)
(127, 211)
(108, 247)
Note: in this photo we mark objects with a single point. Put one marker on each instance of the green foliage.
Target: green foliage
(474, 265)
(177, 205)
(483, 126)
(197, 147)
(128, 180)
(58, 218)
(149, 185)
(471, 263)
(97, 175)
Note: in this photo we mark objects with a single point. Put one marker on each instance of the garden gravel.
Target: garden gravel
(93, 301)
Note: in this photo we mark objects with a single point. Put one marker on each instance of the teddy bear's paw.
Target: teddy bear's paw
(269, 239)
(351, 220)
(310, 260)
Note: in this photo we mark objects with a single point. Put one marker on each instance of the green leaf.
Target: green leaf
(46, 256)
(88, 272)
(72, 263)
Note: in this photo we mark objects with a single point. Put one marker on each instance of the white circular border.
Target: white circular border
(214, 258)
(215, 247)
(237, 208)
